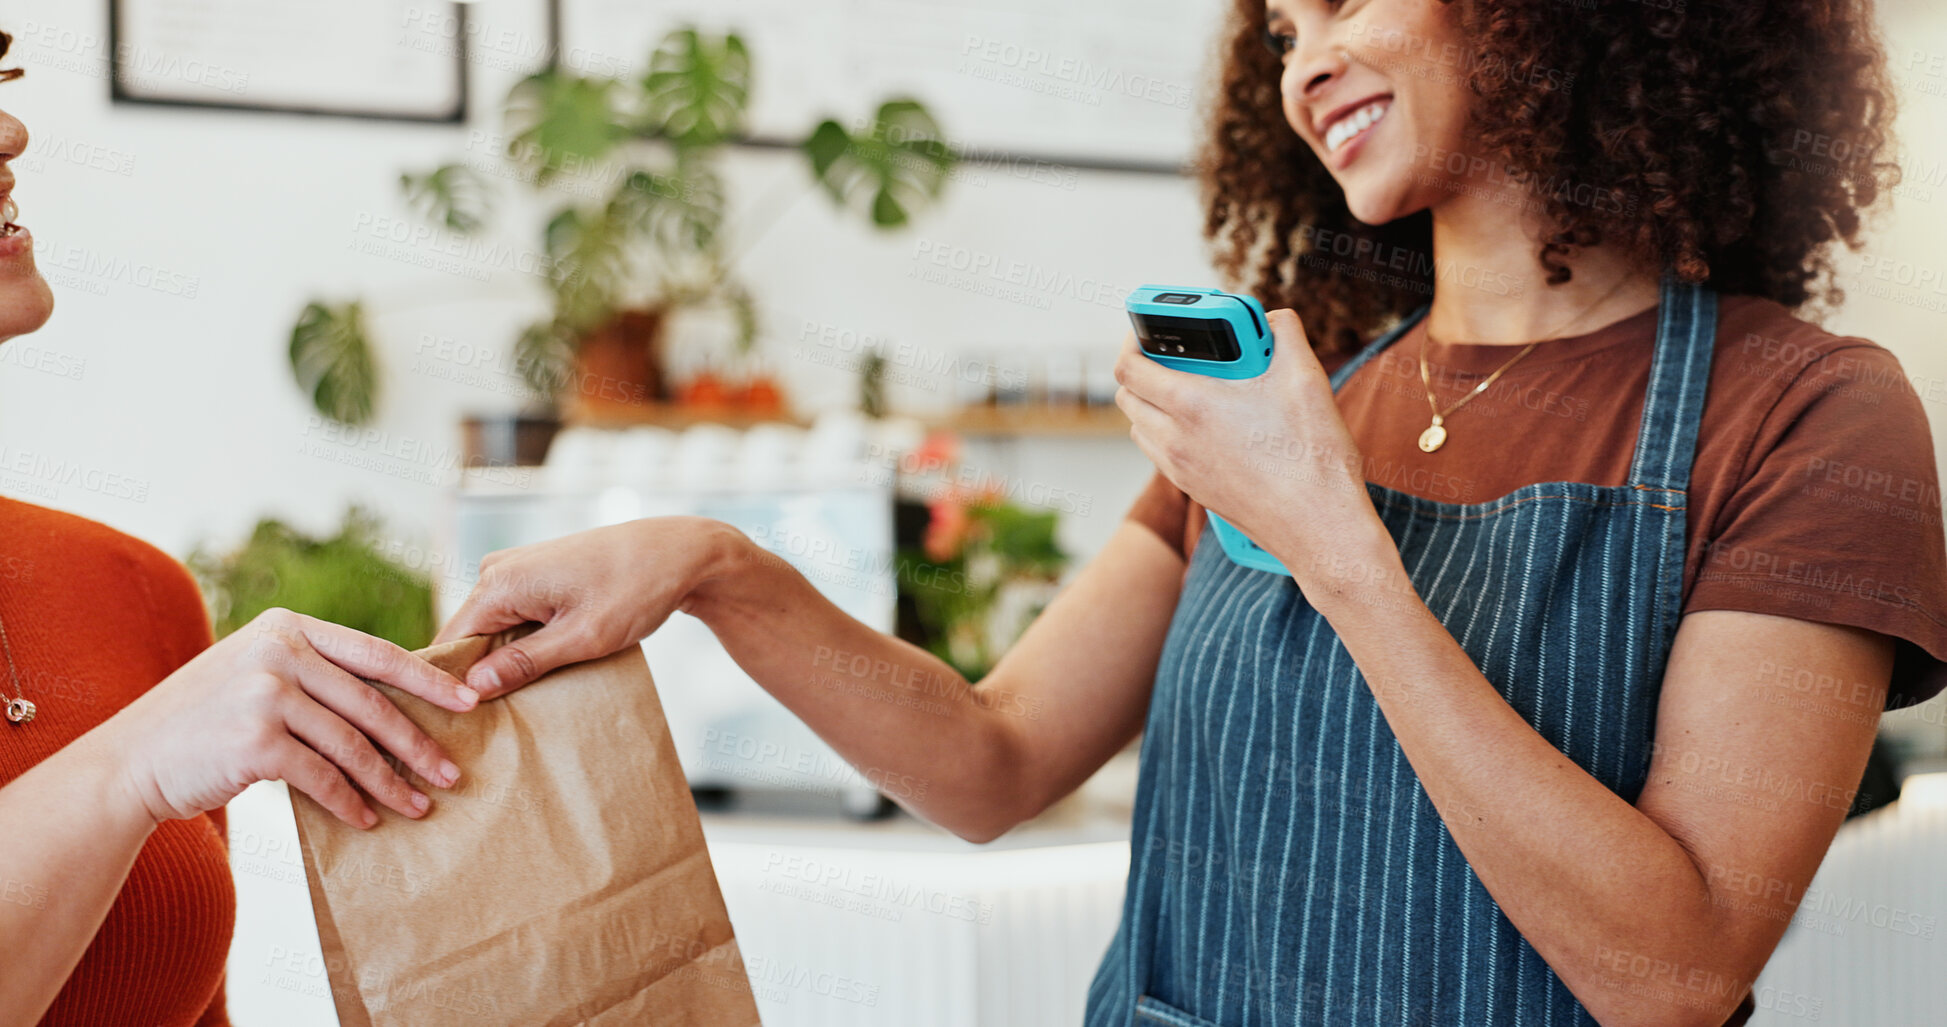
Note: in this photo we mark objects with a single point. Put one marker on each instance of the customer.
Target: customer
(127, 732)
(1600, 583)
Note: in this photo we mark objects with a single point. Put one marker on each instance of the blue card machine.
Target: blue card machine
(1214, 333)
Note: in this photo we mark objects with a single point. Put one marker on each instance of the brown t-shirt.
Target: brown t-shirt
(1814, 493)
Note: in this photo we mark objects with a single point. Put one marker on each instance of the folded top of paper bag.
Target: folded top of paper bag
(563, 881)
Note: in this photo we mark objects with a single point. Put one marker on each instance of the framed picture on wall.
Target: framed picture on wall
(402, 60)
(1107, 84)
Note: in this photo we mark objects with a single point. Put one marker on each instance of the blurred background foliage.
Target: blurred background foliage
(346, 579)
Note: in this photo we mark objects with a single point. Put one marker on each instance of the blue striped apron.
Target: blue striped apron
(1286, 866)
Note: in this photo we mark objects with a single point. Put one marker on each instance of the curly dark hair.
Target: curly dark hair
(1728, 141)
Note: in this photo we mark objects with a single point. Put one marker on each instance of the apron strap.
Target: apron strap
(1686, 337)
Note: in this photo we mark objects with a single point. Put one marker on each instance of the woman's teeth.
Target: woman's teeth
(9, 210)
(1345, 129)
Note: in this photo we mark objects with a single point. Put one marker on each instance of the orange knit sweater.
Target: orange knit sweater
(96, 618)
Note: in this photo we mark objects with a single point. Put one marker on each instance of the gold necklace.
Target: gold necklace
(20, 709)
(1435, 434)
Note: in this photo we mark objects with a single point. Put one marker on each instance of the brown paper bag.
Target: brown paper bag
(563, 881)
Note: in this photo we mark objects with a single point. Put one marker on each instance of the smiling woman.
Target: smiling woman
(1692, 136)
(25, 299)
(1511, 740)
(1541, 702)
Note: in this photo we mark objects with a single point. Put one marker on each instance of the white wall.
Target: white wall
(189, 399)
(1897, 288)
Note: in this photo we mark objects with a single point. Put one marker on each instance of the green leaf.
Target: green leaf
(872, 385)
(696, 89)
(557, 119)
(587, 266)
(886, 211)
(452, 195)
(678, 212)
(332, 360)
(743, 307)
(894, 166)
(545, 355)
(1023, 538)
(826, 146)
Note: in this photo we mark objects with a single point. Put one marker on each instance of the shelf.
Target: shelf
(671, 416)
(1024, 419)
(1037, 420)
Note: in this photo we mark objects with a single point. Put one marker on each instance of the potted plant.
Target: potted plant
(649, 241)
(984, 569)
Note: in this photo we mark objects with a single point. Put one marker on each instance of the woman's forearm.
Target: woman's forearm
(70, 828)
(911, 724)
(973, 758)
(1576, 868)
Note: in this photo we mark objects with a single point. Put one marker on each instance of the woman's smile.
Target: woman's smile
(16, 244)
(1343, 77)
(1345, 130)
(15, 240)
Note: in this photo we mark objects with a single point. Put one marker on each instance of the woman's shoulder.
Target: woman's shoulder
(1763, 340)
(1816, 487)
(1773, 369)
(50, 549)
(56, 535)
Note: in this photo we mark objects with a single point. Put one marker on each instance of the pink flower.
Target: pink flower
(940, 450)
(946, 529)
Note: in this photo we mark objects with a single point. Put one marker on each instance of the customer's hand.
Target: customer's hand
(594, 593)
(281, 699)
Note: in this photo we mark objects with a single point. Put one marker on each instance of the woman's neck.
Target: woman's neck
(1492, 289)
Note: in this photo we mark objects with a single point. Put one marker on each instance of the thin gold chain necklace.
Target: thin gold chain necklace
(1435, 434)
(20, 709)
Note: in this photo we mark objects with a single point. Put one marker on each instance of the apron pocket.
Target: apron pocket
(1149, 1010)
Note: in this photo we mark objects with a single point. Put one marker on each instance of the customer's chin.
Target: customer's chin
(25, 305)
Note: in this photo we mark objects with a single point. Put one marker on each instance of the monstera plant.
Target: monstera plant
(639, 227)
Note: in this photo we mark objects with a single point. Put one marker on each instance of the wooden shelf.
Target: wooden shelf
(672, 416)
(1037, 420)
(1024, 420)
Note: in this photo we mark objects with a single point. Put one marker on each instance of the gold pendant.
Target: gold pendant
(1432, 437)
(20, 711)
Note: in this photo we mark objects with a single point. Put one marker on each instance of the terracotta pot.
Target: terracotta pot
(508, 440)
(705, 390)
(761, 395)
(619, 363)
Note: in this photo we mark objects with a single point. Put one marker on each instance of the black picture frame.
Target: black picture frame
(120, 93)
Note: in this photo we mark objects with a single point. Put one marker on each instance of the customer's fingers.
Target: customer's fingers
(367, 709)
(566, 640)
(303, 769)
(380, 660)
(331, 737)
